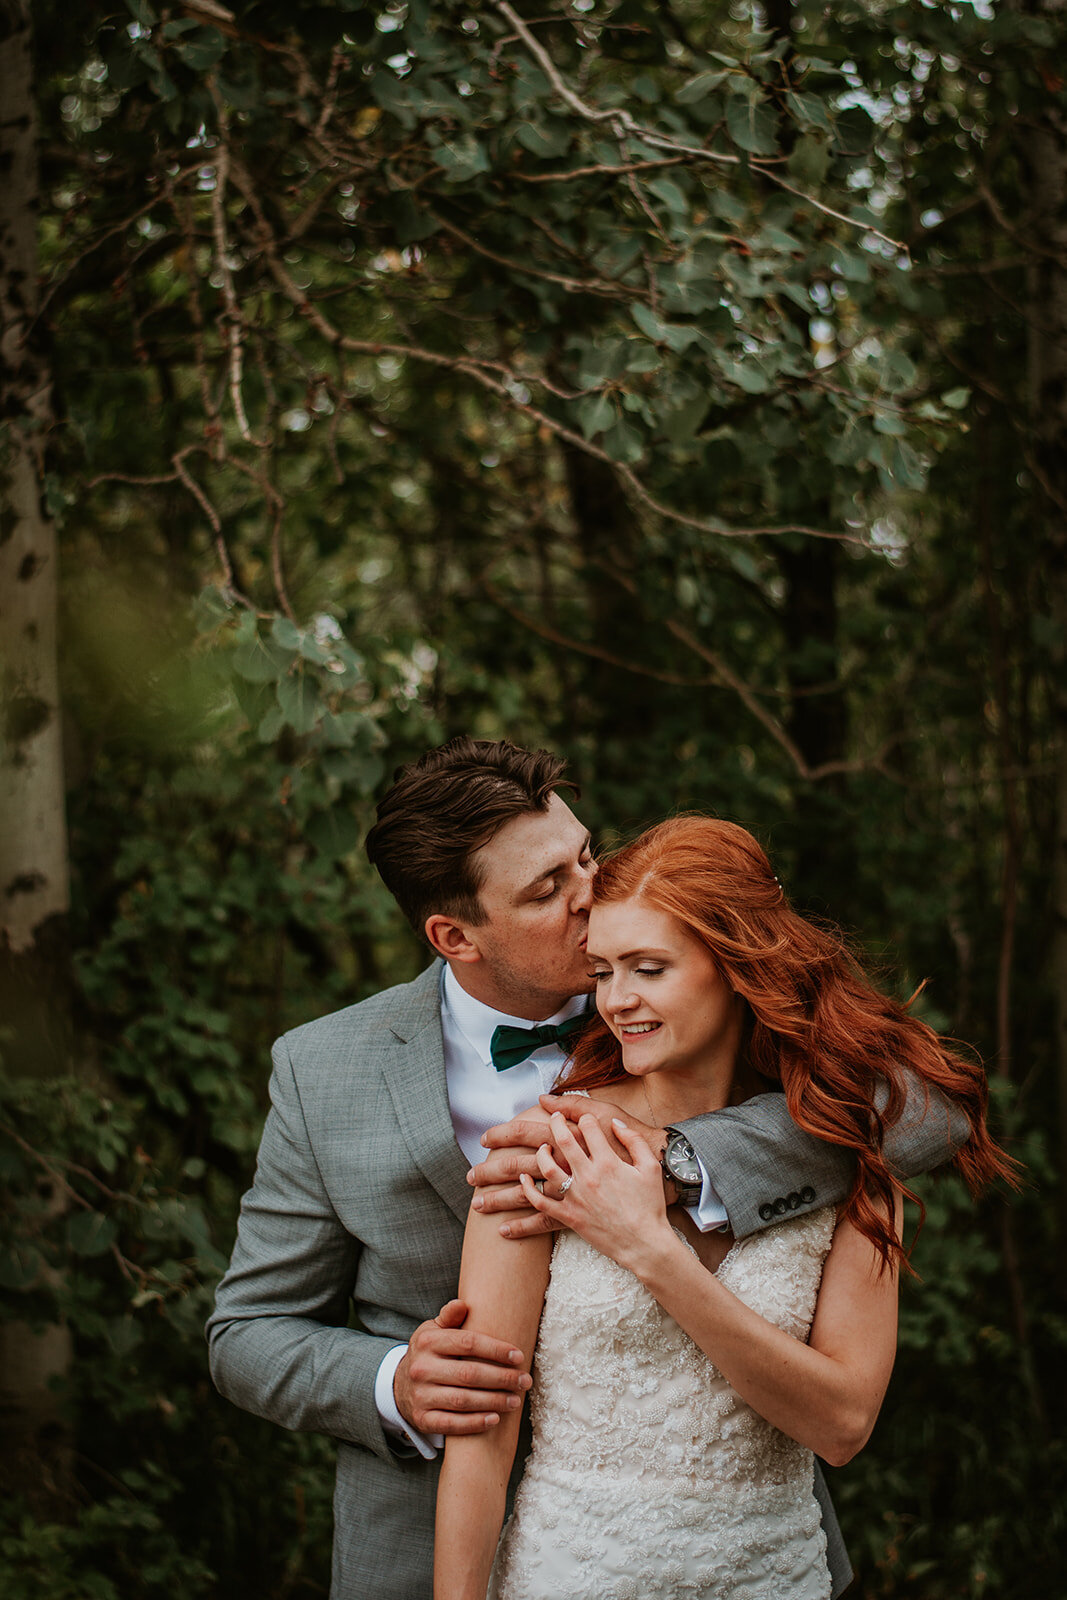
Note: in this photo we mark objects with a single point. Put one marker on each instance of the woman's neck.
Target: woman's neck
(668, 1096)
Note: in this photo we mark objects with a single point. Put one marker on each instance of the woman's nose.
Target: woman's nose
(622, 998)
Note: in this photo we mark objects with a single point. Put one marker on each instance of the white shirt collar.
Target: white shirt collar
(476, 1021)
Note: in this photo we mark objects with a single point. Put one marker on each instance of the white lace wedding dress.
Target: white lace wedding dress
(649, 1478)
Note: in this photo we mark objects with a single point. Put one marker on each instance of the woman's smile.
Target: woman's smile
(641, 957)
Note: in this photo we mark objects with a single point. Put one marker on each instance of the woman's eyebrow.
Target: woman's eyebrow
(630, 955)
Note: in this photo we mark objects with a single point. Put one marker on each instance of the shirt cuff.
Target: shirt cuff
(708, 1214)
(427, 1444)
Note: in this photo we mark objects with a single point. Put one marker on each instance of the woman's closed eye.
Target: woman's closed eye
(639, 972)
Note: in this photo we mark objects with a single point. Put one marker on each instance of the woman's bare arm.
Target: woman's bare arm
(825, 1394)
(503, 1283)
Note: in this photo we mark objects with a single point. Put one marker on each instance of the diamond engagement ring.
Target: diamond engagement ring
(564, 1186)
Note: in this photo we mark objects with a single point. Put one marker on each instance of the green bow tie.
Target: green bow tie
(510, 1045)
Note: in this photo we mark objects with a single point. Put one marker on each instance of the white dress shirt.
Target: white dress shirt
(480, 1097)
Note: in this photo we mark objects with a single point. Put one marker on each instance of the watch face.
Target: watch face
(681, 1161)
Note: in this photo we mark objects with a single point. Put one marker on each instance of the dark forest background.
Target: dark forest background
(682, 386)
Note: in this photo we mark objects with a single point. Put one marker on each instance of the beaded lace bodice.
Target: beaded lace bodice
(649, 1476)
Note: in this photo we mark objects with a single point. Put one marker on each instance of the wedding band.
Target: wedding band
(564, 1186)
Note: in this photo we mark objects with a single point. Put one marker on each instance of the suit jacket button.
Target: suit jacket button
(766, 1212)
(781, 1206)
(807, 1195)
(794, 1200)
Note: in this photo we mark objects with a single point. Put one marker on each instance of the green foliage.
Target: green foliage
(403, 395)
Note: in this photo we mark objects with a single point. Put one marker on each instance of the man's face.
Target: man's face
(536, 890)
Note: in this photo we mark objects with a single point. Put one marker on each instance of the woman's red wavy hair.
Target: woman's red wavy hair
(815, 1023)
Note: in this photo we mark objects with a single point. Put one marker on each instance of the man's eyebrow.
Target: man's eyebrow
(559, 866)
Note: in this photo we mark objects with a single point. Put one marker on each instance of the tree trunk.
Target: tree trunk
(34, 878)
(614, 722)
(1045, 154)
(824, 834)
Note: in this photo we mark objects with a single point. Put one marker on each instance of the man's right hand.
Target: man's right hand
(454, 1381)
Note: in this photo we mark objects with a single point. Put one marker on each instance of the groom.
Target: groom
(336, 1314)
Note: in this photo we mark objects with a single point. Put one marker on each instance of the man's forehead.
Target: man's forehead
(530, 844)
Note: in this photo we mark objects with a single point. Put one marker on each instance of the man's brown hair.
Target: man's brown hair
(443, 808)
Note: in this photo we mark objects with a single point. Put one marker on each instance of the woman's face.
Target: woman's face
(661, 993)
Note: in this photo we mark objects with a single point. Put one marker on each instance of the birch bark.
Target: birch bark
(34, 877)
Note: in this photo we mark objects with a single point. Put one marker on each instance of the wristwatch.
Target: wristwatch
(681, 1167)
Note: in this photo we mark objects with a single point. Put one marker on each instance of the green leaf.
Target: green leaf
(852, 265)
(363, 771)
(20, 1266)
(270, 724)
(260, 660)
(602, 362)
(595, 414)
(809, 111)
(808, 161)
(544, 139)
(624, 443)
(699, 88)
(647, 321)
(889, 422)
(956, 399)
(209, 609)
(747, 374)
(643, 358)
(410, 223)
(300, 702)
(907, 467)
(202, 53)
(333, 833)
(339, 728)
(897, 371)
(753, 126)
(286, 634)
(683, 421)
(462, 157)
(667, 190)
(90, 1234)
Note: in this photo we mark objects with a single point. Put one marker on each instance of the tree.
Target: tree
(560, 372)
(34, 878)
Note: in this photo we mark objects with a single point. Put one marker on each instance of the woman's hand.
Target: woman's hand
(617, 1206)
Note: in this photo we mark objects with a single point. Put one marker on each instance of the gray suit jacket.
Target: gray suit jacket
(358, 1205)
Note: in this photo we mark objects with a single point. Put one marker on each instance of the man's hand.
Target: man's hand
(575, 1107)
(452, 1381)
(513, 1146)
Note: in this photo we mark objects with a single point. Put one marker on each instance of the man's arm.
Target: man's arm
(764, 1167)
(279, 1344)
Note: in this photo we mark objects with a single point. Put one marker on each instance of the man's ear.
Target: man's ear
(450, 939)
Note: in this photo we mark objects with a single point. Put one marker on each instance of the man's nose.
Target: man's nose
(583, 893)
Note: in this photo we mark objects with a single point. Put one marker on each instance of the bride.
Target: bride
(684, 1382)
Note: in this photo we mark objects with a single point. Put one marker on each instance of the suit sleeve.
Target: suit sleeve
(765, 1168)
(278, 1339)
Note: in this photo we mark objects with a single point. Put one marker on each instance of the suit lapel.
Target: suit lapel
(413, 1064)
